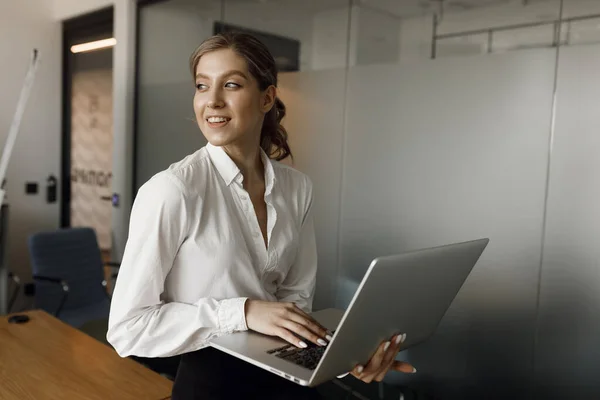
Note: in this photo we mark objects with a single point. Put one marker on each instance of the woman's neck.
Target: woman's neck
(249, 161)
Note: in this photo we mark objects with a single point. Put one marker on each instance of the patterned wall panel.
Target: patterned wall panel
(91, 152)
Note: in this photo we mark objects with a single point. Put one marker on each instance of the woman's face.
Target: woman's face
(228, 103)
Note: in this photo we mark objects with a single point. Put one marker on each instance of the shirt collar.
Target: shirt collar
(230, 172)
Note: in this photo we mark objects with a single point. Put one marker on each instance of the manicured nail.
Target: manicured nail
(414, 370)
(386, 346)
(398, 339)
(322, 342)
(403, 337)
(303, 345)
(329, 337)
(359, 369)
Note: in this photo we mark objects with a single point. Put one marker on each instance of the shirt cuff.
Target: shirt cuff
(232, 316)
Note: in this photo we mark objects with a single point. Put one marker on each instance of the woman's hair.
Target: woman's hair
(261, 64)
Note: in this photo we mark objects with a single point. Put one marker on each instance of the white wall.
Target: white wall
(355, 36)
(330, 39)
(23, 27)
(377, 39)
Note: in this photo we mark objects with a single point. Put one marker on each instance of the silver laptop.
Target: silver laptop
(407, 293)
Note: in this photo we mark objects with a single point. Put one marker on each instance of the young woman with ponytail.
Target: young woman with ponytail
(223, 240)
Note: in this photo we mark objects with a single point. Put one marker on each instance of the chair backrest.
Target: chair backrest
(72, 255)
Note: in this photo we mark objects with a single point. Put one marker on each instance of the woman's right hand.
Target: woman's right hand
(285, 320)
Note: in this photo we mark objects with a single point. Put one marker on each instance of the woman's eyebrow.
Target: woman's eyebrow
(224, 75)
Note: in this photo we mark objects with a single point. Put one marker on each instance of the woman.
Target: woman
(223, 240)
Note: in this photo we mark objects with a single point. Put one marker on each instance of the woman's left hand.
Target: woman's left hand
(382, 361)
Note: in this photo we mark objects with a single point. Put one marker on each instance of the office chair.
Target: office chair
(69, 283)
(68, 275)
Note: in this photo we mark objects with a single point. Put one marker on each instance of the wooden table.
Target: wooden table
(48, 359)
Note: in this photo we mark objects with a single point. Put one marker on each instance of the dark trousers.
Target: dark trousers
(212, 374)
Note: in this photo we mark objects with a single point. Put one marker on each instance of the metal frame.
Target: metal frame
(490, 31)
(55, 281)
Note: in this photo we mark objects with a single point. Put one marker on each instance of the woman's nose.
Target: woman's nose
(215, 104)
(216, 101)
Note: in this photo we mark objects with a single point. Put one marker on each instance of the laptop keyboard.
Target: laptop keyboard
(307, 358)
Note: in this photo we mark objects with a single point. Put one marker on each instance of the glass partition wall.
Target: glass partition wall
(423, 123)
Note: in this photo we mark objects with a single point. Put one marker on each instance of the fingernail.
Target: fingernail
(329, 337)
(359, 369)
(303, 345)
(400, 338)
(386, 346)
(414, 370)
(322, 342)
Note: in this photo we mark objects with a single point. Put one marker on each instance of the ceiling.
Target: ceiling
(398, 8)
(409, 8)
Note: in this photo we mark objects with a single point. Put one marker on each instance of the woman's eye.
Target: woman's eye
(232, 85)
(200, 86)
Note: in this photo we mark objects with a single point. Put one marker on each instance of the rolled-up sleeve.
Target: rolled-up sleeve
(142, 324)
(299, 284)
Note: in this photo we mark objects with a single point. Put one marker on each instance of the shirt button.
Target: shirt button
(244, 197)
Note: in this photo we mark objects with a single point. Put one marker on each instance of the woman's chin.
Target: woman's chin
(219, 140)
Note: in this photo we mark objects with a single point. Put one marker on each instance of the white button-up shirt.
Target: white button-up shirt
(195, 253)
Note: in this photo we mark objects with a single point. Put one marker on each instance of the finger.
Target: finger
(382, 372)
(357, 371)
(302, 331)
(291, 338)
(389, 356)
(313, 324)
(385, 367)
(398, 340)
(396, 366)
(372, 367)
(309, 317)
(298, 316)
(401, 366)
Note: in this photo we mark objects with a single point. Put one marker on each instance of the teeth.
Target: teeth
(217, 119)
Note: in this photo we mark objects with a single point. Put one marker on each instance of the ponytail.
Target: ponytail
(273, 136)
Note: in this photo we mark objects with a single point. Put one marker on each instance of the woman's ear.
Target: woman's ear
(268, 100)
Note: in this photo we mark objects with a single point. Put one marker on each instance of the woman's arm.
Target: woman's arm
(140, 323)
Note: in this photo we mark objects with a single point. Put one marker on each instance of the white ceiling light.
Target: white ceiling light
(96, 45)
